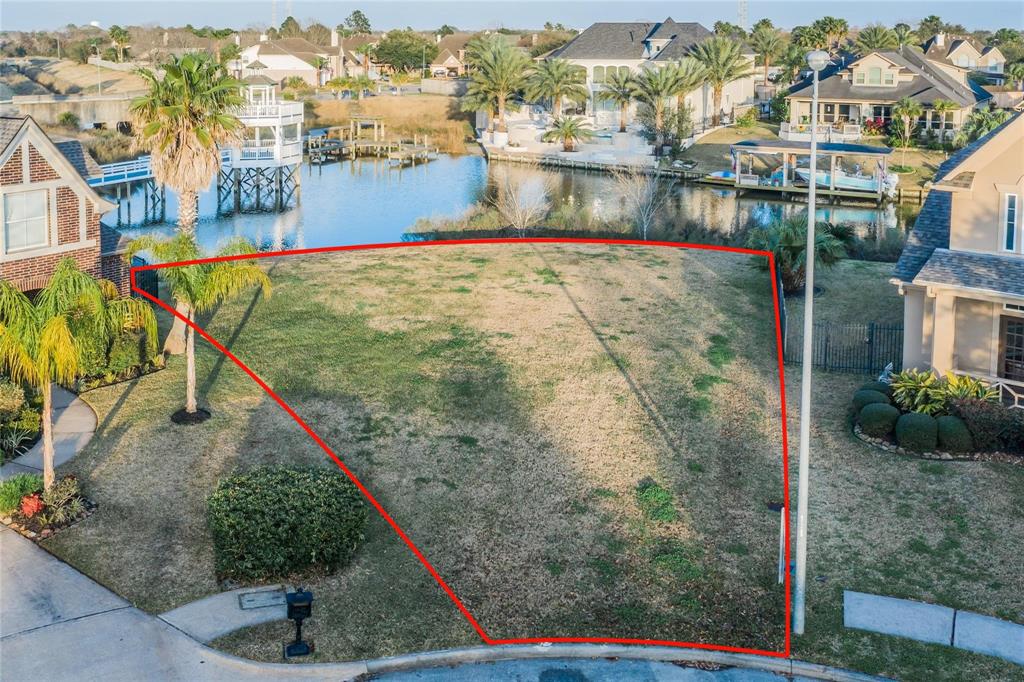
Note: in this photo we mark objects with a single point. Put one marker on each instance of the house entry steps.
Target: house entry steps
(935, 624)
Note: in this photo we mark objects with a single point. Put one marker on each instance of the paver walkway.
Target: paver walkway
(74, 423)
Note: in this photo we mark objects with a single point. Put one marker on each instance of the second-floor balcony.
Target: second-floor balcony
(260, 153)
(827, 132)
(281, 113)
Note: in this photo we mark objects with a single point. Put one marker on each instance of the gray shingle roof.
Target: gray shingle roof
(9, 127)
(79, 156)
(625, 40)
(930, 83)
(686, 37)
(981, 271)
(931, 230)
(111, 241)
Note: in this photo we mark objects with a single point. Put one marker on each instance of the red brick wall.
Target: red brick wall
(10, 174)
(33, 273)
(67, 216)
(39, 170)
(117, 271)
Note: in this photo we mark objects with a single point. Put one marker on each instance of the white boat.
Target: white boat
(843, 180)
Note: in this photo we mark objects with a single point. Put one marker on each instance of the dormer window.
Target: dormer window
(875, 75)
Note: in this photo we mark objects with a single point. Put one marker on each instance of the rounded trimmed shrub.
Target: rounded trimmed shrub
(884, 389)
(878, 419)
(862, 398)
(917, 432)
(274, 522)
(954, 435)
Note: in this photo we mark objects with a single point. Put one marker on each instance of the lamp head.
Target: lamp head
(818, 60)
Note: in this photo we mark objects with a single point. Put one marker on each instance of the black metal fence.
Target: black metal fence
(855, 348)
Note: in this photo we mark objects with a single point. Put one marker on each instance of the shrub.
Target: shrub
(63, 502)
(276, 522)
(916, 431)
(878, 419)
(17, 487)
(862, 398)
(877, 386)
(953, 434)
(69, 119)
(747, 120)
(31, 505)
(28, 420)
(12, 399)
(991, 425)
(918, 391)
(962, 387)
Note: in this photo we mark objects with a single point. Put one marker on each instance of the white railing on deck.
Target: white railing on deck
(276, 110)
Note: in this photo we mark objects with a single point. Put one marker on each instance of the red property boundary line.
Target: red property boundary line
(394, 525)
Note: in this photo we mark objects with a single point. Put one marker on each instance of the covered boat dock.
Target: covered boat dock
(856, 171)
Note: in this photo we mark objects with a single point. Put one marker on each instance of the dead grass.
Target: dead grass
(852, 292)
(66, 77)
(711, 152)
(434, 115)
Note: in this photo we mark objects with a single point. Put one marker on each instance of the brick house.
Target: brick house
(48, 211)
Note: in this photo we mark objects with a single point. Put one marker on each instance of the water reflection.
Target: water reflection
(372, 201)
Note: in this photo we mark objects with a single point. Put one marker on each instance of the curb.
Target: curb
(488, 654)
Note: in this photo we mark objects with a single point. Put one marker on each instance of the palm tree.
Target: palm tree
(400, 78)
(568, 130)
(906, 111)
(1016, 72)
(41, 341)
(768, 44)
(723, 62)
(904, 34)
(121, 38)
(689, 74)
(501, 71)
(182, 121)
(876, 37)
(653, 87)
(981, 123)
(319, 63)
(618, 89)
(361, 83)
(366, 51)
(198, 288)
(787, 241)
(834, 30)
(942, 107)
(557, 79)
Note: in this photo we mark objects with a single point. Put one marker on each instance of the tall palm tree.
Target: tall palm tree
(876, 37)
(906, 111)
(366, 51)
(653, 87)
(835, 31)
(618, 89)
(557, 79)
(182, 121)
(723, 62)
(568, 130)
(198, 288)
(769, 46)
(217, 35)
(942, 107)
(904, 34)
(500, 72)
(319, 63)
(1016, 72)
(41, 341)
(689, 74)
(121, 38)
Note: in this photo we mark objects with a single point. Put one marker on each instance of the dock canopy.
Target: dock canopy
(770, 146)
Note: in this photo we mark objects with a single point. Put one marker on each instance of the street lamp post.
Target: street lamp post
(817, 60)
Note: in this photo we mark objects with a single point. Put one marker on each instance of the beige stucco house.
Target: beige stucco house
(869, 87)
(607, 47)
(961, 273)
(964, 55)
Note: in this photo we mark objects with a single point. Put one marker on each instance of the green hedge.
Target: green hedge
(885, 389)
(862, 398)
(15, 488)
(917, 432)
(992, 426)
(273, 522)
(878, 419)
(953, 435)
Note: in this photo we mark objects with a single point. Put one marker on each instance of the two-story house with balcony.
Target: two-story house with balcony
(961, 273)
(293, 58)
(965, 56)
(870, 86)
(49, 212)
(607, 47)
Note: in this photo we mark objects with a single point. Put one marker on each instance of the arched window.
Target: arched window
(599, 74)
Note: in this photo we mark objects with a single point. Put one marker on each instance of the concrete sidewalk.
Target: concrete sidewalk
(73, 425)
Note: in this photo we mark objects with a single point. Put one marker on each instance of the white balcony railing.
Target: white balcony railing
(289, 152)
(827, 132)
(276, 110)
(1011, 392)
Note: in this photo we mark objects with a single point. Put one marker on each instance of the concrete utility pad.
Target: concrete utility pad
(987, 635)
(901, 617)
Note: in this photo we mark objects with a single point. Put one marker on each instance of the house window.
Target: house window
(1010, 223)
(1012, 348)
(875, 75)
(599, 74)
(889, 78)
(25, 221)
(858, 78)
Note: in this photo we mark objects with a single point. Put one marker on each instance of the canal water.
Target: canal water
(372, 201)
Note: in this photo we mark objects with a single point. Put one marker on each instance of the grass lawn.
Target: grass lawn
(925, 162)
(851, 292)
(582, 439)
(711, 152)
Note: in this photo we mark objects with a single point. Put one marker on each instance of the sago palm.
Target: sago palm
(41, 341)
(618, 89)
(769, 46)
(876, 37)
(198, 288)
(569, 130)
(557, 79)
(500, 71)
(723, 62)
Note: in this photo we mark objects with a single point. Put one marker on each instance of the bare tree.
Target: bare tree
(644, 195)
(522, 195)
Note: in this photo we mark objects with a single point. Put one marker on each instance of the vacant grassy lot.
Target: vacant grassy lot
(851, 292)
(711, 152)
(584, 440)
